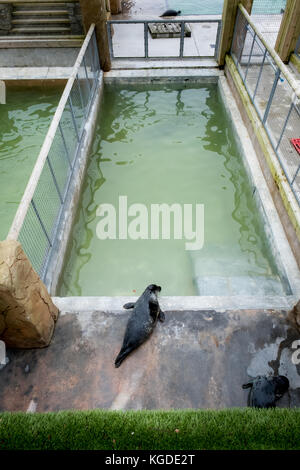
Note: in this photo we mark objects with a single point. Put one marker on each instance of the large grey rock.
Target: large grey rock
(27, 313)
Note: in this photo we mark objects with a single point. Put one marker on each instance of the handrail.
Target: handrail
(38, 168)
(295, 84)
(182, 19)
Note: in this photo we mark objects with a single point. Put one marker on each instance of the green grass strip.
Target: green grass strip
(240, 428)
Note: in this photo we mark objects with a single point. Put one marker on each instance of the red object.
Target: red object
(296, 144)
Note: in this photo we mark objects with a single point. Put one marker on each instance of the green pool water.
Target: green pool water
(168, 145)
(215, 7)
(24, 122)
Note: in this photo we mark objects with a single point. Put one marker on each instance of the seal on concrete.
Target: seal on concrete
(170, 13)
(140, 325)
(265, 391)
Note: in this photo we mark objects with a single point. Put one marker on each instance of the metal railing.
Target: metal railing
(274, 92)
(38, 216)
(149, 43)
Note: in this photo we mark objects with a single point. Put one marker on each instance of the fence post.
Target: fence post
(289, 30)
(115, 7)
(94, 11)
(228, 21)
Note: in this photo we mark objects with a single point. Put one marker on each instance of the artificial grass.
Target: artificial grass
(240, 428)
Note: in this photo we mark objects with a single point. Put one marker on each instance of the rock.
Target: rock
(27, 313)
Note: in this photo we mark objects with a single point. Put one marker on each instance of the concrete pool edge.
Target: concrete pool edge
(176, 303)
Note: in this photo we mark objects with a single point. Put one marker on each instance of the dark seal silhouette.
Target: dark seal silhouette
(170, 13)
(265, 391)
(146, 312)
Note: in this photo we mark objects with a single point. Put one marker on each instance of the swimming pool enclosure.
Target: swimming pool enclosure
(40, 212)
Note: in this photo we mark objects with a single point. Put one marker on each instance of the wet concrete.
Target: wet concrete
(196, 359)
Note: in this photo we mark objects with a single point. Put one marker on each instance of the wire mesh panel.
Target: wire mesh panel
(267, 15)
(271, 93)
(40, 225)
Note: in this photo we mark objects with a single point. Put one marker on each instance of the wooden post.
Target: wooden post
(115, 7)
(228, 21)
(94, 11)
(289, 30)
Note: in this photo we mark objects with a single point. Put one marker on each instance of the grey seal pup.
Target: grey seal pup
(146, 312)
(265, 391)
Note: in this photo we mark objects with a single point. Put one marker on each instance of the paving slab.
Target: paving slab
(196, 359)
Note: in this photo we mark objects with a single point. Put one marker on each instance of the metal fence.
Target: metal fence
(267, 15)
(273, 91)
(131, 39)
(39, 213)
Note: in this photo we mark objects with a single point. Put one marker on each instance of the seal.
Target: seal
(265, 391)
(146, 312)
(170, 13)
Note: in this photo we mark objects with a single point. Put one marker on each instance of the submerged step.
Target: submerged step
(239, 285)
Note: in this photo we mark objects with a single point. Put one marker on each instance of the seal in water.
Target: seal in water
(170, 13)
(265, 391)
(140, 325)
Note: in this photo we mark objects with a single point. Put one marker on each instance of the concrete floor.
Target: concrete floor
(196, 359)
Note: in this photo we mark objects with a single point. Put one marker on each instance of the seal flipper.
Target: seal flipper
(129, 305)
(248, 385)
(122, 355)
(161, 316)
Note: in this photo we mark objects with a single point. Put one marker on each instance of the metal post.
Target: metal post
(54, 179)
(250, 56)
(80, 94)
(65, 145)
(73, 117)
(284, 126)
(146, 40)
(271, 96)
(182, 24)
(40, 221)
(110, 43)
(91, 59)
(218, 38)
(296, 174)
(259, 75)
(86, 74)
(95, 51)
